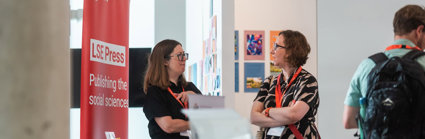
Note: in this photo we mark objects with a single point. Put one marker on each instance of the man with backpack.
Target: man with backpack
(386, 96)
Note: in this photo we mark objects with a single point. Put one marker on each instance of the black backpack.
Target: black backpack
(394, 106)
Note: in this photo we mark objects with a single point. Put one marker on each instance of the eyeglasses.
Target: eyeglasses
(275, 46)
(181, 56)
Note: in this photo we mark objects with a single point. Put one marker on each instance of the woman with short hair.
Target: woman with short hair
(286, 105)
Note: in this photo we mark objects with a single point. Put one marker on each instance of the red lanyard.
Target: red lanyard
(278, 91)
(402, 46)
(184, 105)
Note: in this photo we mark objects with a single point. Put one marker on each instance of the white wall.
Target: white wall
(141, 24)
(348, 32)
(272, 15)
(226, 29)
(194, 30)
(170, 20)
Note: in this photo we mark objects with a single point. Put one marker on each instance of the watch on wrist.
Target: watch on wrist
(266, 112)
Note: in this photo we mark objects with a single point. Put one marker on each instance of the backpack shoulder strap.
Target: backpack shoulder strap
(413, 54)
(378, 57)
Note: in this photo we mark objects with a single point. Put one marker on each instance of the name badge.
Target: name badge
(276, 131)
(185, 133)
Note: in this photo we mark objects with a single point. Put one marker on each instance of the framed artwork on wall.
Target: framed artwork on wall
(236, 76)
(254, 76)
(254, 45)
(236, 44)
(273, 36)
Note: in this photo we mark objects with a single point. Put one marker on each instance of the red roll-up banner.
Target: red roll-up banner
(104, 70)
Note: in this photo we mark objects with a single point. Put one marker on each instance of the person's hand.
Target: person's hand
(183, 96)
(292, 103)
(263, 112)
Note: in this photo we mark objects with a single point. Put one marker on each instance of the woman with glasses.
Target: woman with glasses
(167, 91)
(286, 105)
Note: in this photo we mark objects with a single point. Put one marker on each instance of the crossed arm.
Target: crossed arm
(170, 125)
(278, 116)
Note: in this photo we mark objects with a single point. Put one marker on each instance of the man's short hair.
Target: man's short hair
(408, 18)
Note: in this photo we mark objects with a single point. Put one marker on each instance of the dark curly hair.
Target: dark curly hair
(297, 47)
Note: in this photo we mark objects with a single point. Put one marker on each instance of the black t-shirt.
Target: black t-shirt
(159, 103)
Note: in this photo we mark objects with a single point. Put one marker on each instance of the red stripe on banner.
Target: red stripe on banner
(104, 70)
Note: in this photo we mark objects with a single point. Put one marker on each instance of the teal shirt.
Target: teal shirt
(359, 82)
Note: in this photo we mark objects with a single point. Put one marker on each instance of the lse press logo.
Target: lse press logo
(110, 135)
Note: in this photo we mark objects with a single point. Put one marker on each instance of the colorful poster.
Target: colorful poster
(254, 76)
(210, 71)
(217, 84)
(104, 72)
(201, 73)
(204, 48)
(213, 33)
(273, 37)
(254, 47)
(193, 74)
(214, 67)
(189, 73)
(236, 45)
(236, 77)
